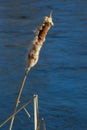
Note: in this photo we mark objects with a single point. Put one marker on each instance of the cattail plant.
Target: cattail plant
(33, 55)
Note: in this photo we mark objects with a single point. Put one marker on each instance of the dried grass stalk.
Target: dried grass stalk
(17, 111)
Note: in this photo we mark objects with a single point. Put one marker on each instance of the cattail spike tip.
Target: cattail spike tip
(51, 13)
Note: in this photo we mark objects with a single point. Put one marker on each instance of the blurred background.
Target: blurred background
(60, 76)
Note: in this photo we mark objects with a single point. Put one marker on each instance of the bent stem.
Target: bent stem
(17, 111)
(18, 97)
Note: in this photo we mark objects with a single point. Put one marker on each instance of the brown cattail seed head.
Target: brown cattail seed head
(41, 33)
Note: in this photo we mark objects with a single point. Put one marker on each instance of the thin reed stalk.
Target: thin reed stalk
(18, 98)
(26, 111)
(36, 114)
(33, 55)
(43, 124)
(17, 111)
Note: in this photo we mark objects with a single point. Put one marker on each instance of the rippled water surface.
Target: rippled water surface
(60, 77)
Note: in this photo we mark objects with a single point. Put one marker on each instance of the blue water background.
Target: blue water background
(60, 77)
